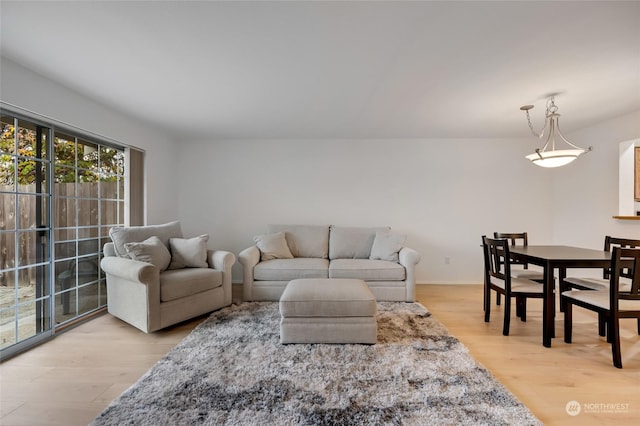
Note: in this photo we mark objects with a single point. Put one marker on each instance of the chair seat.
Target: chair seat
(520, 285)
(525, 273)
(596, 283)
(179, 283)
(600, 298)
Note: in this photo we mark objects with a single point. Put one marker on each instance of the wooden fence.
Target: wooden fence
(74, 205)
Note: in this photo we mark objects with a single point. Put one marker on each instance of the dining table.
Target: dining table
(550, 258)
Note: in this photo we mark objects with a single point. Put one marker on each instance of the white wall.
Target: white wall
(585, 195)
(33, 92)
(444, 194)
(626, 180)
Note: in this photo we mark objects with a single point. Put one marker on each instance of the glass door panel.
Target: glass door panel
(25, 231)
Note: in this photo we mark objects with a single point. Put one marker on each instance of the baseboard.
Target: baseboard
(448, 283)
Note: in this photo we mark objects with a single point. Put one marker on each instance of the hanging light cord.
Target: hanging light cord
(551, 108)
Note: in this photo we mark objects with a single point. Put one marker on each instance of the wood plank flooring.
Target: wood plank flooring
(545, 379)
(71, 379)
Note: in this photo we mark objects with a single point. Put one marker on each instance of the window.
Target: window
(60, 192)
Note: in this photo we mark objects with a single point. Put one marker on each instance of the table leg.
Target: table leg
(548, 324)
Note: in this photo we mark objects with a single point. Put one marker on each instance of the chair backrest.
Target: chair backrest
(610, 242)
(619, 258)
(497, 263)
(514, 238)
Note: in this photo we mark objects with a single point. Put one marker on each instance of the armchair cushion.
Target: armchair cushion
(151, 251)
(273, 246)
(134, 234)
(386, 246)
(176, 284)
(189, 253)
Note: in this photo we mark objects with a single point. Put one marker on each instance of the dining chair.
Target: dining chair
(589, 283)
(497, 277)
(522, 268)
(592, 283)
(613, 303)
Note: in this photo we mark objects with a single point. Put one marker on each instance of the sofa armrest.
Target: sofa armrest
(130, 270)
(409, 258)
(249, 258)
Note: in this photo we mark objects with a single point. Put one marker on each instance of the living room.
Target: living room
(414, 123)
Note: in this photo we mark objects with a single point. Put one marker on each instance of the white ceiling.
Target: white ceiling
(368, 69)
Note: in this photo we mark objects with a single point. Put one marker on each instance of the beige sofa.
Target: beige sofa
(374, 255)
(157, 278)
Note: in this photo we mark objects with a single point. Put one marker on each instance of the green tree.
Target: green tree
(94, 162)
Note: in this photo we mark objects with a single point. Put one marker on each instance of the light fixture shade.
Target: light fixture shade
(555, 158)
(548, 155)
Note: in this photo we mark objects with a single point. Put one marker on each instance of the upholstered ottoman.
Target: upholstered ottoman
(327, 310)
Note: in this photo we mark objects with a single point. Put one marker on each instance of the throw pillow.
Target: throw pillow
(151, 251)
(133, 234)
(386, 246)
(273, 246)
(189, 252)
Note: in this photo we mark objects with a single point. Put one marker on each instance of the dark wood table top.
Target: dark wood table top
(568, 253)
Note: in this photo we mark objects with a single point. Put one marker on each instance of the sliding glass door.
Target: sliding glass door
(60, 193)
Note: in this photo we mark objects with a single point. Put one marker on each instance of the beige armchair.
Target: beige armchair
(156, 278)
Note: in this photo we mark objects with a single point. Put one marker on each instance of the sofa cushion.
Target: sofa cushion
(365, 269)
(179, 283)
(134, 234)
(273, 246)
(151, 251)
(189, 253)
(305, 240)
(291, 269)
(351, 242)
(386, 246)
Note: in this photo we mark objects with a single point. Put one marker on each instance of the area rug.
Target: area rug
(232, 370)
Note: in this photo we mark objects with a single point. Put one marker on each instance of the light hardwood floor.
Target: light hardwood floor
(71, 379)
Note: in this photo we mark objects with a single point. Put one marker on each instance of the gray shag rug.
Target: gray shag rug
(232, 370)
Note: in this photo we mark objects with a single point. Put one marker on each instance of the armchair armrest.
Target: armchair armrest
(221, 260)
(249, 258)
(130, 270)
(133, 292)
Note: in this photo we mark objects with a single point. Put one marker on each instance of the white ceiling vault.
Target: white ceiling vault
(336, 69)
